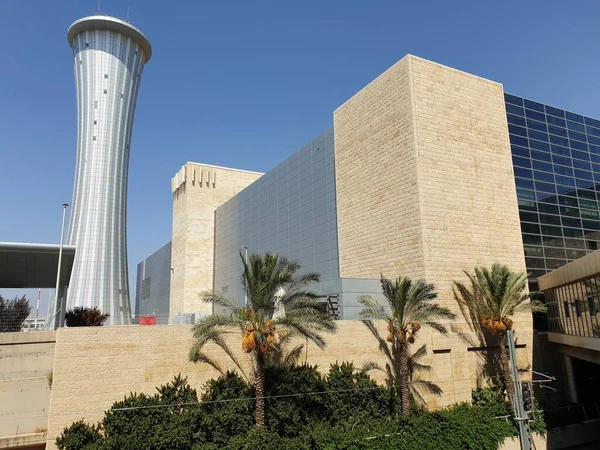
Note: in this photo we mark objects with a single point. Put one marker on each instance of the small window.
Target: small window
(87, 45)
(105, 75)
(136, 52)
(94, 138)
(121, 95)
(591, 305)
(95, 122)
(578, 308)
(105, 91)
(96, 104)
(80, 62)
(566, 307)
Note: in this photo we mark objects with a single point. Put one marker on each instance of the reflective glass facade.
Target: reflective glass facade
(154, 285)
(556, 159)
(575, 308)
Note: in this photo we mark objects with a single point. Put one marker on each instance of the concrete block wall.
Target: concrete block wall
(96, 366)
(198, 190)
(26, 361)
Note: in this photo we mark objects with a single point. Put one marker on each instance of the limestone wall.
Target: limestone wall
(95, 367)
(26, 360)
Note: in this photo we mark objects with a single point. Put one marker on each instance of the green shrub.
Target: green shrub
(79, 436)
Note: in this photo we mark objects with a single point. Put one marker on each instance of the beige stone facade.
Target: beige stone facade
(198, 189)
(424, 178)
(96, 366)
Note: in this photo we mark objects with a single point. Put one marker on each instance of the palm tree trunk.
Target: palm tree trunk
(404, 375)
(259, 387)
(505, 370)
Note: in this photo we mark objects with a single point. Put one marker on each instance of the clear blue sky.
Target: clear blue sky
(246, 83)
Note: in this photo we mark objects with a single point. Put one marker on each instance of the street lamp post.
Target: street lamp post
(246, 287)
(63, 304)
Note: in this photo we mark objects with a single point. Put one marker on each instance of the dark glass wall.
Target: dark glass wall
(556, 159)
(153, 292)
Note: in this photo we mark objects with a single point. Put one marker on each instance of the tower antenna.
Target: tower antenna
(127, 13)
(98, 11)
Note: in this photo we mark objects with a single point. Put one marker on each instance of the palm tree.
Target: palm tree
(410, 305)
(493, 297)
(279, 308)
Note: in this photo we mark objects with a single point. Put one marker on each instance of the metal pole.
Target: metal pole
(520, 413)
(63, 305)
(37, 311)
(246, 288)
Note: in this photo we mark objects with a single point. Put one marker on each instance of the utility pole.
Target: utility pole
(520, 414)
(63, 304)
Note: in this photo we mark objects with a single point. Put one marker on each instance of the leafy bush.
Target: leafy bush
(79, 436)
(13, 314)
(85, 317)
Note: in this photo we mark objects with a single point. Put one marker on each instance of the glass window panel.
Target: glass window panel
(553, 241)
(545, 187)
(571, 222)
(532, 228)
(556, 121)
(568, 211)
(527, 205)
(541, 156)
(559, 141)
(535, 115)
(535, 263)
(592, 131)
(554, 111)
(518, 140)
(524, 194)
(587, 214)
(546, 219)
(584, 183)
(591, 245)
(596, 167)
(524, 183)
(532, 250)
(566, 309)
(591, 235)
(587, 203)
(546, 198)
(532, 239)
(573, 117)
(572, 232)
(565, 190)
(597, 177)
(520, 151)
(562, 170)
(580, 146)
(575, 254)
(554, 252)
(521, 162)
(595, 158)
(574, 126)
(538, 165)
(555, 263)
(591, 225)
(562, 160)
(580, 155)
(558, 131)
(584, 165)
(538, 136)
(517, 110)
(585, 193)
(539, 126)
(577, 136)
(560, 150)
(549, 209)
(516, 120)
(583, 174)
(575, 243)
(534, 105)
(524, 173)
(549, 230)
(543, 176)
(568, 201)
(531, 217)
(566, 181)
(592, 122)
(519, 131)
(508, 98)
(593, 140)
(538, 145)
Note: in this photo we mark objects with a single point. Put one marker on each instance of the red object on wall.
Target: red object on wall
(148, 320)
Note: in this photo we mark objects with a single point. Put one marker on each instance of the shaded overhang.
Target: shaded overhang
(25, 265)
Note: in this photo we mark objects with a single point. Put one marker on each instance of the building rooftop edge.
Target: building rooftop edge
(102, 22)
(224, 167)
